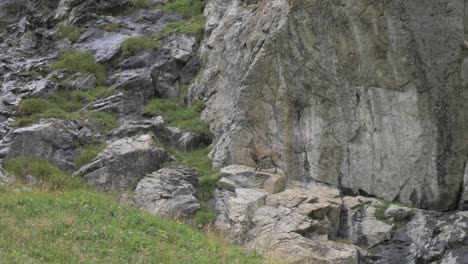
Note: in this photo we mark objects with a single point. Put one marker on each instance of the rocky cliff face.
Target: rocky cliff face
(369, 96)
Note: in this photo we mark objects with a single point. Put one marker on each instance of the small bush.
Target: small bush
(132, 46)
(70, 32)
(380, 210)
(48, 176)
(34, 105)
(88, 153)
(205, 216)
(81, 62)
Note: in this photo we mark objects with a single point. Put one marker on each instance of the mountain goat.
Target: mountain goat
(258, 153)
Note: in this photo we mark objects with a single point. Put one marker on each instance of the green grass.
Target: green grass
(185, 8)
(47, 175)
(88, 153)
(83, 226)
(134, 45)
(63, 105)
(70, 32)
(141, 3)
(193, 22)
(175, 113)
(81, 62)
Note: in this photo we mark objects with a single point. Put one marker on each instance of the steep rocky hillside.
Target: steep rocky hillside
(366, 101)
(368, 96)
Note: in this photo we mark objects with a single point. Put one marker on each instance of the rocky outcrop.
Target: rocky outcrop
(363, 95)
(170, 192)
(295, 224)
(50, 141)
(186, 141)
(122, 164)
(314, 223)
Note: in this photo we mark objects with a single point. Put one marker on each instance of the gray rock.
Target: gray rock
(136, 82)
(123, 163)
(166, 73)
(134, 126)
(104, 45)
(84, 82)
(238, 176)
(79, 11)
(295, 223)
(50, 141)
(4, 177)
(186, 141)
(348, 91)
(169, 192)
(190, 70)
(141, 60)
(397, 213)
(112, 103)
(359, 224)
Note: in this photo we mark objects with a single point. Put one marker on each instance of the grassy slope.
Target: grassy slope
(86, 226)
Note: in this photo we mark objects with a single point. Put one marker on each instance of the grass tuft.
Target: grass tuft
(193, 27)
(48, 176)
(88, 153)
(81, 62)
(135, 45)
(70, 32)
(186, 8)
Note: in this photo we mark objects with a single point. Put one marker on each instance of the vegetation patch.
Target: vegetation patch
(176, 113)
(81, 62)
(83, 226)
(48, 176)
(70, 32)
(88, 153)
(191, 11)
(380, 210)
(106, 121)
(63, 105)
(135, 45)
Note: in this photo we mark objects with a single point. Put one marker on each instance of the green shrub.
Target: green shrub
(134, 45)
(70, 32)
(81, 62)
(380, 210)
(88, 153)
(205, 216)
(33, 106)
(48, 176)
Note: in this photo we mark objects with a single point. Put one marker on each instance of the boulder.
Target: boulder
(170, 192)
(136, 125)
(51, 141)
(186, 141)
(84, 82)
(135, 82)
(122, 164)
(396, 213)
(104, 45)
(80, 11)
